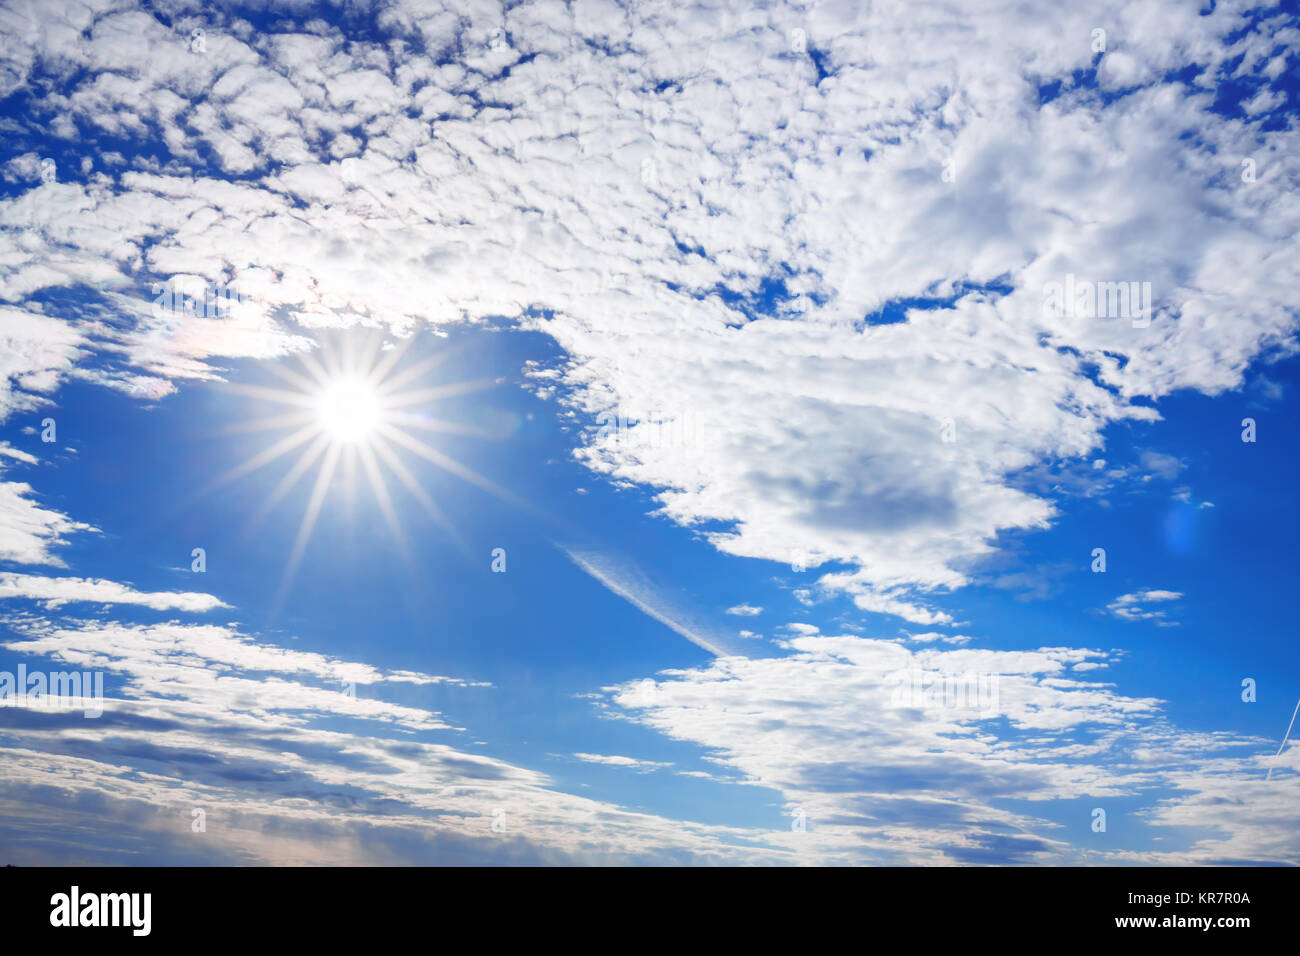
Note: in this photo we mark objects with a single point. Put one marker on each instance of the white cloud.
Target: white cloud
(890, 778)
(1161, 465)
(55, 592)
(805, 434)
(29, 532)
(629, 583)
(18, 454)
(930, 637)
(887, 454)
(1130, 607)
(745, 610)
(36, 351)
(615, 760)
(202, 716)
(169, 649)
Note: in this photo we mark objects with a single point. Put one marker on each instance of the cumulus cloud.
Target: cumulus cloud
(1132, 607)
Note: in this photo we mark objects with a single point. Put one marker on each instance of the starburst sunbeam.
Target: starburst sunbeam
(352, 410)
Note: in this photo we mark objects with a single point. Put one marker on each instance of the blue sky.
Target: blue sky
(727, 325)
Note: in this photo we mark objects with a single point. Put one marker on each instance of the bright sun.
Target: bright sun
(350, 410)
(353, 410)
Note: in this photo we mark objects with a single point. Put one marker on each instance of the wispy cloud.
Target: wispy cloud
(55, 592)
(890, 775)
(29, 532)
(631, 585)
(614, 760)
(201, 717)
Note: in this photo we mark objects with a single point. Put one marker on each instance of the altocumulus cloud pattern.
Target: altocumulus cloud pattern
(843, 432)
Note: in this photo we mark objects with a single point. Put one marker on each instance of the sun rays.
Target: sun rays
(354, 408)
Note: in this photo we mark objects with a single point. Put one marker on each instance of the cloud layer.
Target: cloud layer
(773, 199)
(796, 257)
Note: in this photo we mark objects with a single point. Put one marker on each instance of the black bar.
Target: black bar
(367, 905)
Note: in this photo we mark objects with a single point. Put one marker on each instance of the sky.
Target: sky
(656, 433)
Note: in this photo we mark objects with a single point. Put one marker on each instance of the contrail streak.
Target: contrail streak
(1285, 737)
